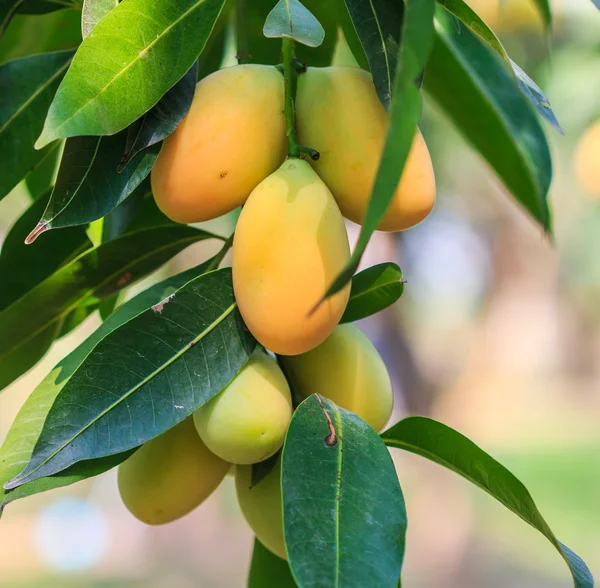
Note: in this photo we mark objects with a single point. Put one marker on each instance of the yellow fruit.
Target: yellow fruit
(348, 370)
(339, 114)
(262, 506)
(232, 138)
(247, 421)
(587, 160)
(170, 475)
(508, 15)
(289, 245)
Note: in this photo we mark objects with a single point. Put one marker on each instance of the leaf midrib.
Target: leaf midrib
(373, 289)
(390, 81)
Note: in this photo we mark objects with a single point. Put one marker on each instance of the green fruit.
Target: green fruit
(170, 475)
(247, 421)
(262, 506)
(347, 369)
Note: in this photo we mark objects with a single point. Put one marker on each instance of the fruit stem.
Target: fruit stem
(241, 33)
(290, 78)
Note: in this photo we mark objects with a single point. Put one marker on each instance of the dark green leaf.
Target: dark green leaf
(292, 20)
(350, 35)
(26, 428)
(40, 180)
(161, 120)
(447, 447)
(354, 533)
(8, 8)
(26, 89)
(267, 570)
(416, 41)
(160, 367)
(261, 469)
(117, 222)
(477, 93)
(93, 276)
(378, 24)
(93, 12)
(373, 290)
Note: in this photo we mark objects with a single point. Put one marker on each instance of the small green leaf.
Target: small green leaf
(378, 24)
(145, 47)
(447, 447)
(27, 87)
(373, 290)
(354, 533)
(293, 20)
(93, 12)
(267, 570)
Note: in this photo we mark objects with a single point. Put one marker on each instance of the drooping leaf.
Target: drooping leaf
(291, 19)
(93, 12)
(161, 120)
(532, 91)
(26, 89)
(117, 222)
(85, 281)
(476, 91)
(354, 533)
(160, 367)
(267, 570)
(26, 428)
(378, 24)
(145, 47)
(447, 447)
(415, 44)
(373, 290)
(40, 180)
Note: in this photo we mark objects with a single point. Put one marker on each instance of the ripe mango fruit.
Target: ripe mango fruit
(247, 421)
(231, 139)
(339, 114)
(587, 160)
(347, 369)
(262, 506)
(289, 245)
(170, 475)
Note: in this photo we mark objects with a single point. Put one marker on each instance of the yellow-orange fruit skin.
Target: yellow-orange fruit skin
(347, 369)
(339, 114)
(289, 245)
(170, 475)
(587, 161)
(262, 506)
(247, 421)
(231, 139)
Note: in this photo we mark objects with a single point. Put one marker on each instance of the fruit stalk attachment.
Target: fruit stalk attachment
(241, 33)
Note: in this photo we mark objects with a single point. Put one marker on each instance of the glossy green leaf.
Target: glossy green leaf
(146, 47)
(354, 533)
(26, 89)
(416, 42)
(85, 281)
(373, 289)
(447, 447)
(117, 222)
(93, 12)
(378, 24)
(267, 570)
(26, 428)
(476, 91)
(532, 91)
(291, 19)
(161, 120)
(41, 179)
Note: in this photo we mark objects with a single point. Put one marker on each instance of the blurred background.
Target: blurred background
(497, 335)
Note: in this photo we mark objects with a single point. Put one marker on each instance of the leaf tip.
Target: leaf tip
(40, 228)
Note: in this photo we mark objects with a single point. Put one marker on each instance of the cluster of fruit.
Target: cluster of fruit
(290, 243)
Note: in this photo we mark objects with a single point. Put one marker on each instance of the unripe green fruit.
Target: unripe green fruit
(262, 506)
(347, 369)
(247, 421)
(170, 475)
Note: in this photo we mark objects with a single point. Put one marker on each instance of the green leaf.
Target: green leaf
(267, 570)
(93, 12)
(350, 35)
(416, 41)
(161, 120)
(546, 12)
(378, 24)
(476, 91)
(26, 428)
(145, 47)
(292, 20)
(26, 89)
(117, 222)
(373, 290)
(447, 447)
(532, 91)
(596, 4)
(88, 279)
(354, 533)
(160, 367)
(8, 8)
(41, 179)
(88, 186)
